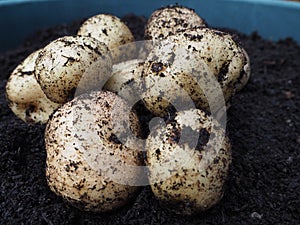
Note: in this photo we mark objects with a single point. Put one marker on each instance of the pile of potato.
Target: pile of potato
(84, 87)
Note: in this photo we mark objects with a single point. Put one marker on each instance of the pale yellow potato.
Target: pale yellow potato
(25, 96)
(188, 162)
(199, 60)
(70, 61)
(171, 19)
(113, 32)
(85, 156)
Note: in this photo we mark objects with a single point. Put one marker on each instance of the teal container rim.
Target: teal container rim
(272, 19)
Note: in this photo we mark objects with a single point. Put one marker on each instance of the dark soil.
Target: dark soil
(263, 123)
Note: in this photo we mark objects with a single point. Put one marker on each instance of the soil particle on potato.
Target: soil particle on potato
(263, 124)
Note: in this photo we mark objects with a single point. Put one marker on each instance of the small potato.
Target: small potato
(169, 20)
(69, 60)
(126, 80)
(113, 32)
(25, 96)
(188, 162)
(206, 64)
(86, 157)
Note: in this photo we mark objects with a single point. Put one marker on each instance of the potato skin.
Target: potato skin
(195, 59)
(183, 81)
(169, 20)
(113, 32)
(26, 98)
(126, 80)
(226, 58)
(182, 176)
(62, 64)
(81, 151)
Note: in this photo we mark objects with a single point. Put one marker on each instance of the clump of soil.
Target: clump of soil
(263, 124)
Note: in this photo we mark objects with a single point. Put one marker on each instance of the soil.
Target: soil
(263, 123)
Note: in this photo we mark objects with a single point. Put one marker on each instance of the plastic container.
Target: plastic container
(272, 19)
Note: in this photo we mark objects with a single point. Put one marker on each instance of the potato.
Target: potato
(188, 162)
(26, 98)
(86, 156)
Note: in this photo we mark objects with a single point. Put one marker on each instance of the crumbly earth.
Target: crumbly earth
(263, 124)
